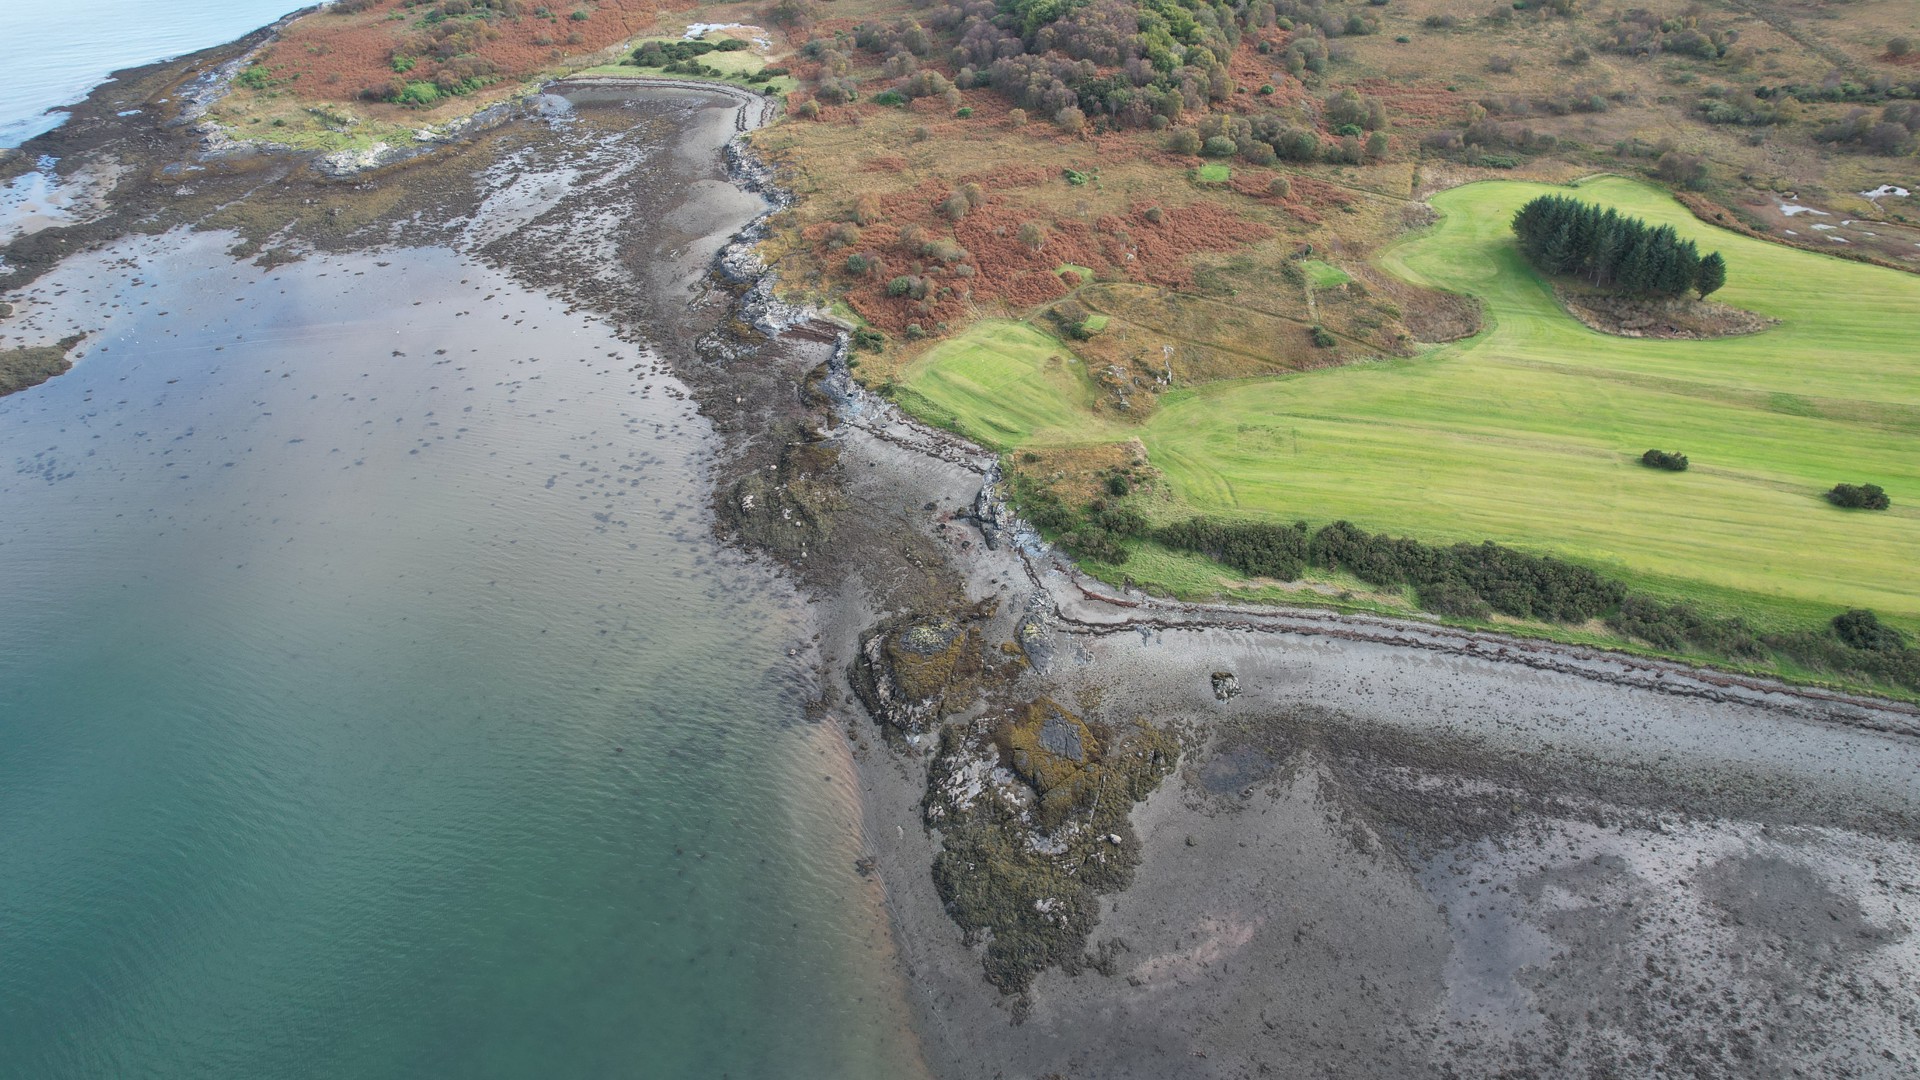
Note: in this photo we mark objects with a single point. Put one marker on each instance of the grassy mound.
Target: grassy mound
(1324, 275)
(1005, 384)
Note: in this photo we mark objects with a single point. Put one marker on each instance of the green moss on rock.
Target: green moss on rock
(1034, 809)
(23, 368)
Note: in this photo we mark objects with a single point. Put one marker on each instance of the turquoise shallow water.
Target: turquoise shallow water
(373, 703)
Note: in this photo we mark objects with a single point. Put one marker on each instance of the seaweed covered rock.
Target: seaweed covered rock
(791, 508)
(23, 368)
(910, 672)
(1033, 807)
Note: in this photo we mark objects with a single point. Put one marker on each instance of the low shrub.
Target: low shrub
(1859, 497)
(1660, 459)
(1862, 629)
(1465, 579)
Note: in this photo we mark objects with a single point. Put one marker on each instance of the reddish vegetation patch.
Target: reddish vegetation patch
(1320, 194)
(1012, 176)
(1250, 71)
(1257, 185)
(1418, 105)
(1001, 264)
(885, 163)
(335, 57)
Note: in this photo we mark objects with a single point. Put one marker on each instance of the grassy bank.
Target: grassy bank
(1530, 433)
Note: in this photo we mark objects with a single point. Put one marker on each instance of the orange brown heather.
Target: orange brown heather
(371, 51)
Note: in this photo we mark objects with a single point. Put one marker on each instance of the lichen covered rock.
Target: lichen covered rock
(911, 672)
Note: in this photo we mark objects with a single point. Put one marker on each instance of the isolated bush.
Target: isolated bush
(1859, 497)
(841, 235)
(954, 206)
(834, 91)
(1862, 629)
(1280, 187)
(1323, 339)
(1348, 108)
(1899, 47)
(1660, 459)
(946, 251)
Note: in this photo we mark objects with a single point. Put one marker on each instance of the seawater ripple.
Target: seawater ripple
(377, 704)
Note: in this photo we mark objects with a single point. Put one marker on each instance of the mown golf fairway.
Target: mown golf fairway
(1529, 434)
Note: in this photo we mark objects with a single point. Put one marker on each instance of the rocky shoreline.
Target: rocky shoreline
(1350, 846)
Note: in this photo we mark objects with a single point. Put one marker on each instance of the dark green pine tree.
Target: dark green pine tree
(1561, 253)
(1711, 275)
(1631, 275)
(1607, 244)
(1685, 270)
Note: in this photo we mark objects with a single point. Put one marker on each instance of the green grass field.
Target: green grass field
(1325, 275)
(1529, 434)
(1213, 173)
(1005, 384)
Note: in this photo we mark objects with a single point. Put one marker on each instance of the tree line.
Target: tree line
(1474, 580)
(1465, 580)
(1609, 250)
(1470, 581)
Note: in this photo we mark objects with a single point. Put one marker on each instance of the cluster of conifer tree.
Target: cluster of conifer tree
(1612, 251)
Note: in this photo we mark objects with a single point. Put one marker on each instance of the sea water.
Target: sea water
(374, 701)
(51, 55)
